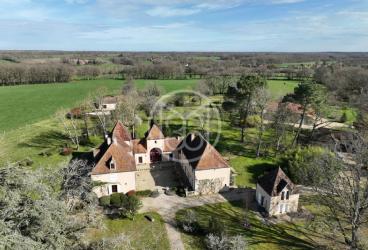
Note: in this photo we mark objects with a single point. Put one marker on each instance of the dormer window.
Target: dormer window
(112, 164)
(287, 195)
(283, 196)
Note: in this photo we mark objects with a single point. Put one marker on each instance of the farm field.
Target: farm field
(27, 104)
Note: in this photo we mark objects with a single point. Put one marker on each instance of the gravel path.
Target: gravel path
(167, 206)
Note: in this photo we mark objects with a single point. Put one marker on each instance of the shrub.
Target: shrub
(131, 192)
(344, 118)
(217, 242)
(253, 121)
(216, 226)
(189, 222)
(144, 193)
(116, 200)
(155, 194)
(302, 165)
(104, 201)
(130, 205)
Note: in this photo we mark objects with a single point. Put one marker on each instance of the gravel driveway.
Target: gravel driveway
(167, 206)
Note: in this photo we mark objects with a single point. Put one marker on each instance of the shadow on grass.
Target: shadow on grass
(283, 235)
(85, 156)
(257, 170)
(49, 139)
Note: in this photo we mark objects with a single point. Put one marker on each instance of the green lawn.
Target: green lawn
(279, 88)
(280, 236)
(27, 104)
(141, 233)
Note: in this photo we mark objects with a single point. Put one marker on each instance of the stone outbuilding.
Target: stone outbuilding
(276, 193)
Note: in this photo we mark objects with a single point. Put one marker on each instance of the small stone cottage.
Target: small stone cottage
(276, 193)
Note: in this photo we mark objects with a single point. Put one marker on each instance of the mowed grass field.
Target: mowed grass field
(27, 104)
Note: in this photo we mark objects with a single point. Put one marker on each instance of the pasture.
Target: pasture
(26, 104)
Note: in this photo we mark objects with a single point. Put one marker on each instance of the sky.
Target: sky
(184, 25)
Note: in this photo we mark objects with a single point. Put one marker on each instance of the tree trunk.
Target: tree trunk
(86, 125)
(296, 137)
(260, 136)
(354, 238)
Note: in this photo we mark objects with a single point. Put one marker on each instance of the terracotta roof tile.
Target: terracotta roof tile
(121, 133)
(139, 146)
(170, 144)
(121, 154)
(201, 154)
(154, 133)
(275, 181)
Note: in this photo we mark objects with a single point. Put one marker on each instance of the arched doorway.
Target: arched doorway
(155, 155)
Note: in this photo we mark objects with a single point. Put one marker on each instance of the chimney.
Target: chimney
(108, 140)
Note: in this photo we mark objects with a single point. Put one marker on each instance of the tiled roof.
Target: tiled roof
(154, 133)
(122, 156)
(109, 99)
(139, 146)
(121, 133)
(171, 144)
(201, 154)
(275, 181)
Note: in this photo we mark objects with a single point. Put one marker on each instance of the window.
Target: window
(104, 106)
(171, 156)
(140, 159)
(114, 188)
(287, 195)
(262, 200)
(283, 196)
(112, 164)
(286, 208)
(155, 141)
(281, 208)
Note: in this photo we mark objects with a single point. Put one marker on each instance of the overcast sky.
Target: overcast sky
(185, 25)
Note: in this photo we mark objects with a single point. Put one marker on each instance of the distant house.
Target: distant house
(119, 158)
(105, 106)
(109, 103)
(276, 193)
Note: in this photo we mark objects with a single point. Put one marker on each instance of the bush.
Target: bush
(130, 205)
(131, 192)
(116, 200)
(344, 118)
(253, 121)
(155, 194)
(302, 165)
(104, 201)
(144, 193)
(216, 226)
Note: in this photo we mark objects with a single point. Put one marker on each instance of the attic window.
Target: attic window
(283, 196)
(287, 195)
(112, 164)
(155, 141)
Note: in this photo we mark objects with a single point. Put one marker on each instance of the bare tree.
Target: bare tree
(345, 194)
(97, 104)
(281, 121)
(34, 214)
(71, 127)
(127, 110)
(261, 100)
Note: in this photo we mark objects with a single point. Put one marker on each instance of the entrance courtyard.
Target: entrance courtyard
(159, 176)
